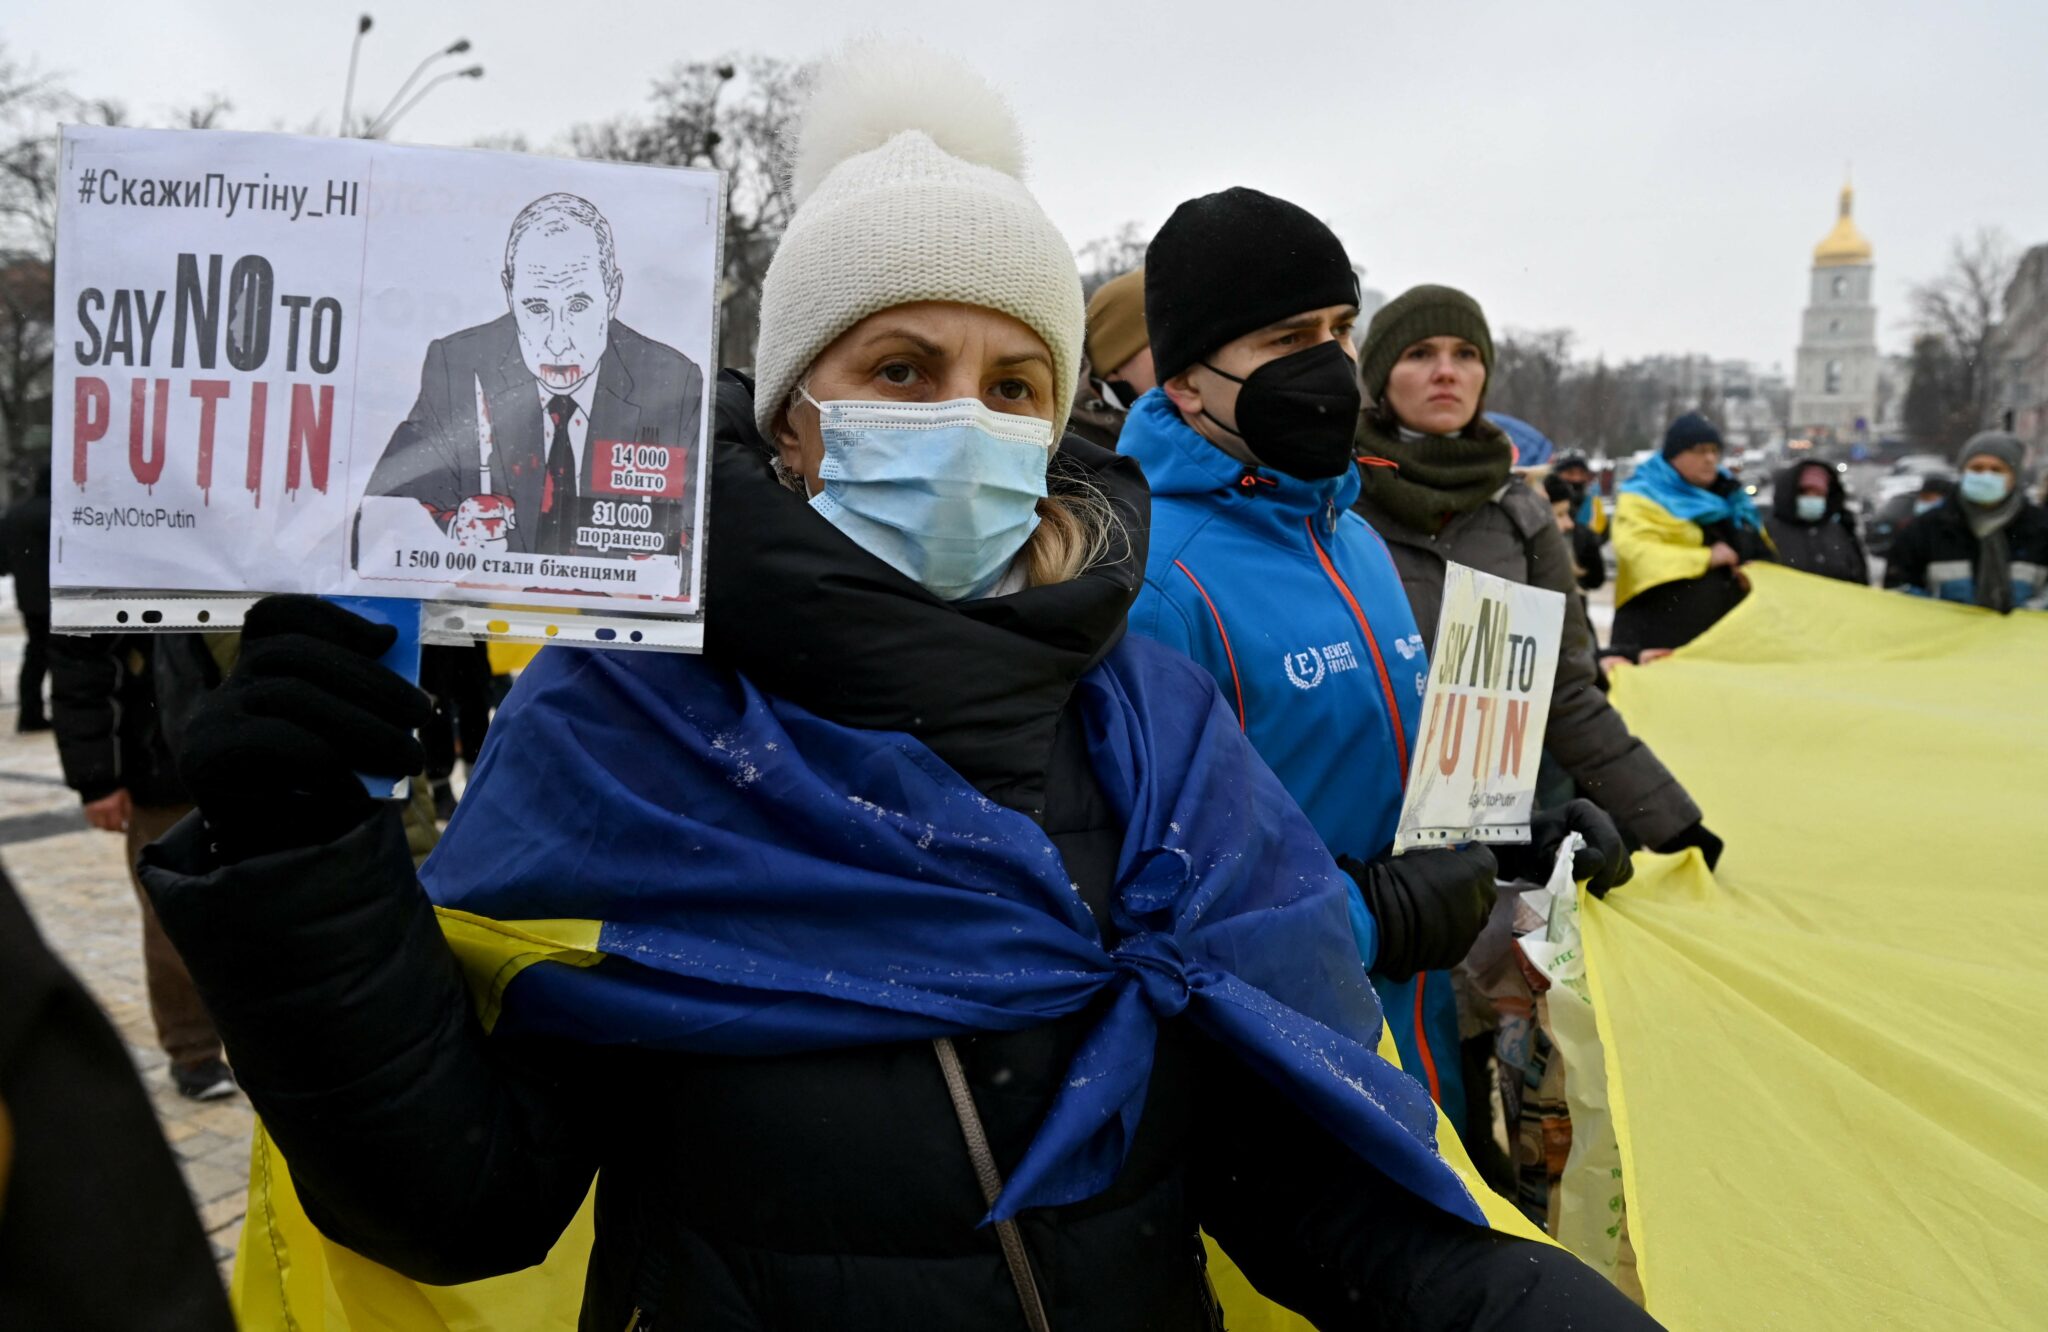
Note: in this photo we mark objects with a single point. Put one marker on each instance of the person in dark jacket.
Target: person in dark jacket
(459, 680)
(1683, 529)
(25, 553)
(1589, 508)
(1437, 486)
(1258, 572)
(1811, 526)
(905, 713)
(1986, 545)
(96, 1228)
(1587, 563)
(1117, 369)
(108, 695)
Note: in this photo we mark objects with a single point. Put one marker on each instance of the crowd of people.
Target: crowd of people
(1005, 596)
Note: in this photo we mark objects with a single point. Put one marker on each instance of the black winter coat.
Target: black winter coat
(1830, 547)
(96, 1228)
(104, 709)
(1937, 554)
(827, 1190)
(25, 550)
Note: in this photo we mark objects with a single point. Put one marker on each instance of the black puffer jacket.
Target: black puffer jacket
(104, 708)
(1830, 547)
(96, 1229)
(1937, 555)
(25, 548)
(817, 1190)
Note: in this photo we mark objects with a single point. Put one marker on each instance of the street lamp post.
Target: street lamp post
(384, 125)
(348, 94)
(454, 48)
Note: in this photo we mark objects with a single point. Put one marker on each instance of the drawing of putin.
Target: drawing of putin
(518, 419)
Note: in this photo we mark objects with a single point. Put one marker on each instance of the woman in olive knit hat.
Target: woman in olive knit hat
(1437, 487)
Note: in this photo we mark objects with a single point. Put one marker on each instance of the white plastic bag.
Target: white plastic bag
(1590, 1207)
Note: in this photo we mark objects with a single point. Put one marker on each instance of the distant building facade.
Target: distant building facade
(1835, 379)
(2023, 350)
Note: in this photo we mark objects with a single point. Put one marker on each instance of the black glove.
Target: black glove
(271, 756)
(1601, 863)
(1429, 906)
(1710, 846)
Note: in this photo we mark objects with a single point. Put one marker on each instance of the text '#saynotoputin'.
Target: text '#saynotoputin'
(108, 188)
(214, 316)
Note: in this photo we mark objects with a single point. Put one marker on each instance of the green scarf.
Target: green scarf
(1435, 476)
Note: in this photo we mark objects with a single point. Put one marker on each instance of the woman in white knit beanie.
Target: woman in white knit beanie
(918, 270)
(927, 954)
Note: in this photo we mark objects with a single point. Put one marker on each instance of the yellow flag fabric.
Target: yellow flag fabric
(1827, 1066)
(1245, 1310)
(1652, 547)
(510, 658)
(290, 1278)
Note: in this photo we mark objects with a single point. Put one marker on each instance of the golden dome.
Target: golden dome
(1845, 244)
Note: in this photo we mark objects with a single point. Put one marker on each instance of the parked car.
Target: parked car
(1917, 465)
(1896, 509)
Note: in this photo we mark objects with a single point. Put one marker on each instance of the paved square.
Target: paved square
(76, 887)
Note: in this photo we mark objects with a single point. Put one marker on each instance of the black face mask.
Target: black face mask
(1119, 393)
(1297, 414)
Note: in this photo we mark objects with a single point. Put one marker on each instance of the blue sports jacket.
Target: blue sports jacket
(1292, 602)
(1294, 605)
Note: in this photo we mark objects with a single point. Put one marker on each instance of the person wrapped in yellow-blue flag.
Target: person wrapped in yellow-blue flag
(1683, 528)
(926, 954)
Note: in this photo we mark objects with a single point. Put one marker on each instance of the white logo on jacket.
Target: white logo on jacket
(1306, 670)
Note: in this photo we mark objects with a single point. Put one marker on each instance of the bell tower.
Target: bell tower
(1834, 392)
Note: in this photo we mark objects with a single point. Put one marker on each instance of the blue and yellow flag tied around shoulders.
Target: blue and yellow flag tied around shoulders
(739, 876)
(1657, 480)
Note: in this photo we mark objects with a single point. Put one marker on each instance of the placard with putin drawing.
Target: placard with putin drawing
(469, 379)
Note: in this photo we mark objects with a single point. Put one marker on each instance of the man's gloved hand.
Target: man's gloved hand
(271, 756)
(1710, 846)
(1601, 863)
(1429, 906)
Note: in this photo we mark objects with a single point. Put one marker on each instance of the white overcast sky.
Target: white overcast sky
(1652, 175)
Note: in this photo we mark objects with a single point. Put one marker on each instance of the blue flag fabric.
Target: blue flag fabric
(1659, 482)
(770, 882)
(1532, 447)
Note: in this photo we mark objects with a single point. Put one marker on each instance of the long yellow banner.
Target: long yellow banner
(1829, 1070)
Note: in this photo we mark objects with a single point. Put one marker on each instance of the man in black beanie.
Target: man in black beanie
(1259, 570)
(1683, 529)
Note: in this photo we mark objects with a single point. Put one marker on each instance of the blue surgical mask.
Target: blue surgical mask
(1983, 487)
(1811, 508)
(1921, 506)
(945, 493)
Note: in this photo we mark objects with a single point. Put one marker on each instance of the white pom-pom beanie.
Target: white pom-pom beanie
(907, 178)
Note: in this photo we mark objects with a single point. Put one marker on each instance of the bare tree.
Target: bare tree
(206, 114)
(1961, 308)
(1529, 372)
(1108, 257)
(1929, 411)
(734, 116)
(32, 105)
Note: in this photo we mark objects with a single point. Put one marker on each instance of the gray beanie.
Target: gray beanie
(1993, 444)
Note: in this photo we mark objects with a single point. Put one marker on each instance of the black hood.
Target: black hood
(1785, 493)
(807, 615)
